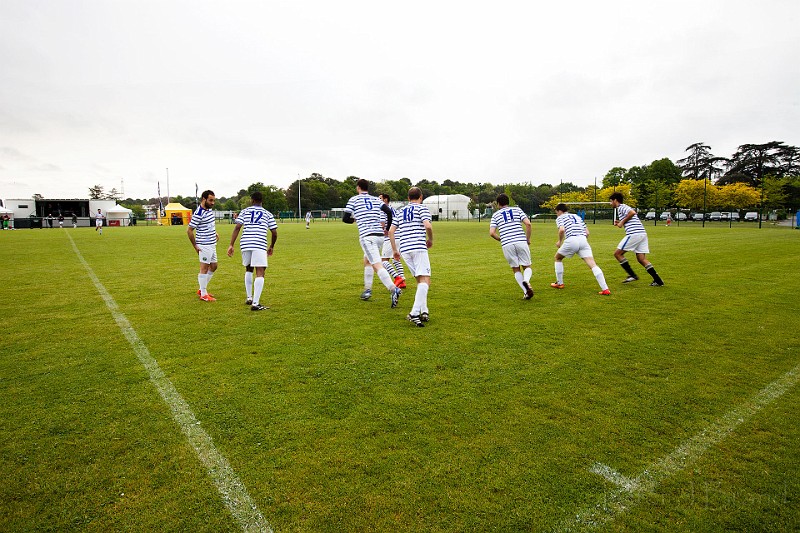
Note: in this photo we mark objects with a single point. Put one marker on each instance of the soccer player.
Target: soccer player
(365, 210)
(98, 221)
(256, 221)
(515, 242)
(204, 242)
(635, 240)
(392, 265)
(60, 221)
(572, 233)
(413, 231)
(308, 219)
(74, 220)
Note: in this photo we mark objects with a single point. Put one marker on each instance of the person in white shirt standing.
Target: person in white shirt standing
(572, 233)
(98, 221)
(515, 243)
(366, 210)
(308, 219)
(411, 235)
(256, 221)
(203, 235)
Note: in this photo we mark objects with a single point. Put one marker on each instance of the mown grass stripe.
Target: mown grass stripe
(230, 487)
(628, 490)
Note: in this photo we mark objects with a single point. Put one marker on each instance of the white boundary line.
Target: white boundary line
(628, 491)
(230, 487)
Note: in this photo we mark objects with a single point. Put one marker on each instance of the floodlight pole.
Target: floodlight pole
(705, 186)
(299, 209)
(595, 200)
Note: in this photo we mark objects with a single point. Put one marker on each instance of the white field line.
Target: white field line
(230, 487)
(628, 491)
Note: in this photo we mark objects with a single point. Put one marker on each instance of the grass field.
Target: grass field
(339, 415)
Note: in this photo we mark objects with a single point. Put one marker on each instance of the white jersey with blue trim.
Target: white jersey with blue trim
(255, 222)
(573, 225)
(508, 221)
(366, 209)
(205, 226)
(632, 226)
(410, 233)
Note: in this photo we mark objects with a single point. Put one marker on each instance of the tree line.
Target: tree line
(766, 175)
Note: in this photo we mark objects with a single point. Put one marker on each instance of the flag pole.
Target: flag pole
(299, 209)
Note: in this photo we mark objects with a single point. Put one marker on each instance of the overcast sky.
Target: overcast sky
(228, 93)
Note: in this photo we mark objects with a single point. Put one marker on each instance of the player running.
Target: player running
(635, 240)
(205, 242)
(515, 242)
(392, 265)
(365, 210)
(572, 233)
(413, 231)
(98, 221)
(256, 221)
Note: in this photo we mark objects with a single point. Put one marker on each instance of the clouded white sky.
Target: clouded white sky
(228, 93)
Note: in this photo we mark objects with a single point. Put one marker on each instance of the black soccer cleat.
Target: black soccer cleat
(415, 319)
(424, 316)
(249, 301)
(657, 284)
(395, 297)
(258, 307)
(630, 279)
(528, 291)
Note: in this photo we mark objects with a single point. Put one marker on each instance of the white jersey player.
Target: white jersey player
(411, 235)
(572, 233)
(509, 221)
(366, 211)
(98, 221)
(635, 240)
(203, 235)
(256, 221)
(392, 265)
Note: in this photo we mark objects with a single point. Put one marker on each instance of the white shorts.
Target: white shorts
(635, 243)
(372, 244)
(417, 262)
(517, 254)
(387, 249)
(575, 245)
(207, 253)
(98, 222)
(254, 258)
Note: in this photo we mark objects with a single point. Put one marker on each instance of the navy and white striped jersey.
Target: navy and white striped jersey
(573, 225)
(366, 209)
(255, 222)
(204, 225)
(410, 233)
(634, 225)
(508, 221)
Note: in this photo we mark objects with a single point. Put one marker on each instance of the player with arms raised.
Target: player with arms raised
(411, 235)
(366, 210)
(256, 221)
(515, 243)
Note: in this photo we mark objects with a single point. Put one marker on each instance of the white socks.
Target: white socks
(420, 300)
(202, 279)
(248, 284)
(258, 286)
(527, 275)
(518, 276)
(386, 279)
(559, 272)
(601, 279)
(369, 273)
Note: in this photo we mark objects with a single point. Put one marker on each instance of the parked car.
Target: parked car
(697, 217)
(715, 215)
(665, 215)
(725, 216)
(751, 216)
(735, 216)
(680, 216)
(650, 215)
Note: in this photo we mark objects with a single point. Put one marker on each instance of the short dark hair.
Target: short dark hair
(206, 194)
(414, 193)
(616, 196)
(363, 184)
(562, 207)
(385, 197)
(257, 197)
(502, 199)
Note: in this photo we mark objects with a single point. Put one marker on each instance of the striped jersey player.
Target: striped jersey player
(255, 221)
(411, 235)
(510, 221)
(203, 235)
(367, 212)
(392, 265)
(635, 240)
(572, 233)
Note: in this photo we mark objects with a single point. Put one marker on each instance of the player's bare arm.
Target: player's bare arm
(493, 234)
(274, 238)
(190, 232)
(429, 231)
(233, 239)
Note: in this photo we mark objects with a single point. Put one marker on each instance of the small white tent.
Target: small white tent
(448, 206)
(122, 216)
